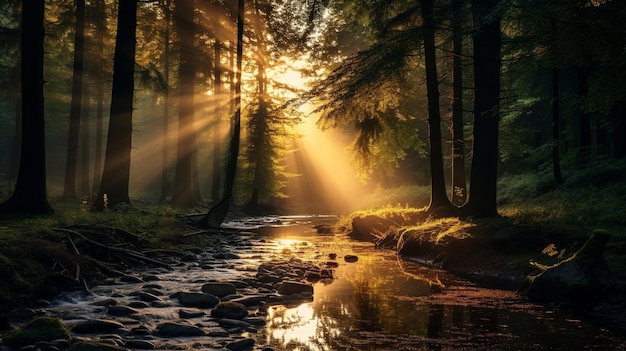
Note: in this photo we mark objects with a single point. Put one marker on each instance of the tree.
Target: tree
(69, 190)
(459, 187)
(216, 214)
(116, 173)
(487, 62)
(30, 189)
(438, 197)
(166, 103)
(186, 145)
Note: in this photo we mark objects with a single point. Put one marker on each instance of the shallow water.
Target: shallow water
(378, 302)
(381, 302)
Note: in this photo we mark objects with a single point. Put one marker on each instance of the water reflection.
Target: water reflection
(380, 303)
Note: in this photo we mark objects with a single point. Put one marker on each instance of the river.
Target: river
(375, 301)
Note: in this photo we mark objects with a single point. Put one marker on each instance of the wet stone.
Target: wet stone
(229, 309)
(239, 345)
(219, 289)
(121, 311)
(131, 279)
(200, 300)
(97, 326)
(291, 287)
(140, 344)
(186, 313)
(139, 304)
(179, 330)
(216, 332)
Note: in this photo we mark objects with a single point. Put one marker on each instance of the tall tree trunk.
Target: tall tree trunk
(116, 173)
(556, 162)
(556, 113)
(183, 196)
(217, 152)
(438, 196)
(30, 189)
(99, 39)
(487, 42)
(85, 137)
(215, 216)
(166, 104)
(459, 183)
(584, 138)
(69, 190)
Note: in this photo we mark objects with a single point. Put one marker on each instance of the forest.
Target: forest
(469, 109)
(146, 100)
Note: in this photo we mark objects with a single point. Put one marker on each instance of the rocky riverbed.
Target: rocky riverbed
(208, 298)
(280, 284)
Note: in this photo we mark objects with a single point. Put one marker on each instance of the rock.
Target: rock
(217, 332)
(148, 297)
(170, 329)
(350, 258)
(95, 346)
(97, 326)
(121, 311)
(140, 344)
(576, 278)
(219, 289)
(186, 314)
(250, 300)
(230, 309)
(38, 329)
(225, 256)
(290, 288)
(243, 344)
(131, 279)
(199, 300)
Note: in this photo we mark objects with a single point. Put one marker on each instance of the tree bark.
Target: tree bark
(217, 152)
(116, 173)
(69, 191)
(438, 196)
(166, 105)
(30, 189)
(183, 196)
(100, 31)
(459, 183)
(487, 42)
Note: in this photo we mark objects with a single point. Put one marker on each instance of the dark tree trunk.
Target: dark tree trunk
(99, 39)
(215, 216)
(183, 196)
(584, 138)
(217, 152)
(30, 189)
(85, 137)
(115, 176)
(166, 105)
(438, 196)
(459, 183)
(487, 42)
(69, 190)
(556, 116)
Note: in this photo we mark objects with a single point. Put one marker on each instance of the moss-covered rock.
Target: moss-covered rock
(38, 329)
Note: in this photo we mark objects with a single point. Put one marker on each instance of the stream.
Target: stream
(374, 301)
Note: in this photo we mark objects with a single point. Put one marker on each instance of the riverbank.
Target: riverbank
(498, 253)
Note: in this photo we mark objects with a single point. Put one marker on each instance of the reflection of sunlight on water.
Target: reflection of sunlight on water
(299, 328)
